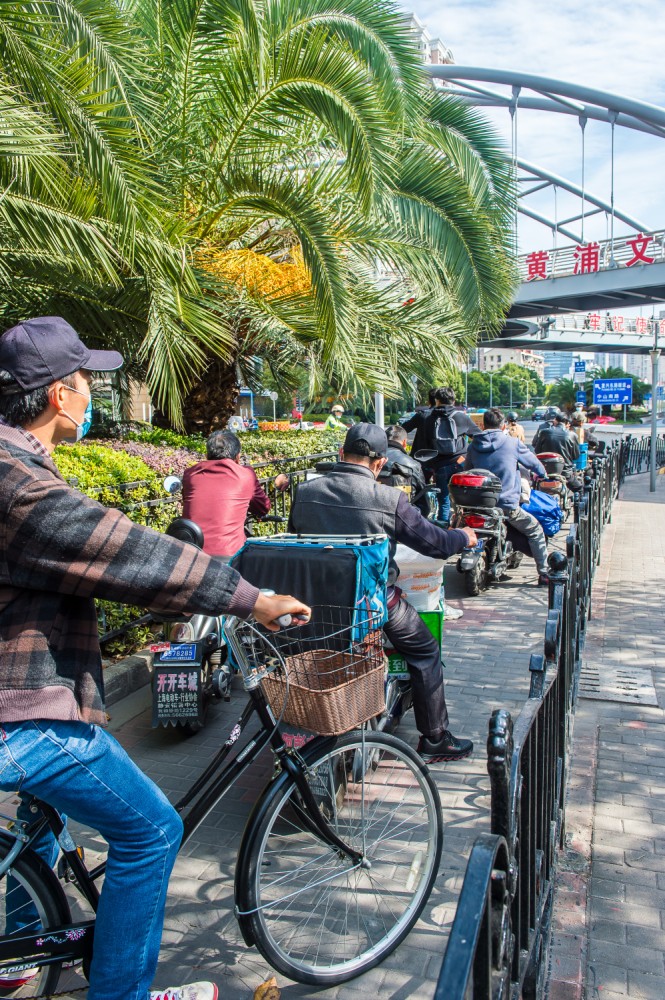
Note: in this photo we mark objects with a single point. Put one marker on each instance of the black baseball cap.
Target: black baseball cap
(40, 351)
(371, 434)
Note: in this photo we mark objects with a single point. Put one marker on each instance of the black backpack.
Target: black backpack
(399, 476)
(444, 436)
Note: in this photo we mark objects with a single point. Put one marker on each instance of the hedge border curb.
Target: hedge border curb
(126, 676)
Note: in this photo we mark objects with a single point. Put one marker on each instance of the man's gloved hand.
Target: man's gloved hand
(471, 536)
(269, 608)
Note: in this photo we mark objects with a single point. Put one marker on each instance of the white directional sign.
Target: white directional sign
(580, 372)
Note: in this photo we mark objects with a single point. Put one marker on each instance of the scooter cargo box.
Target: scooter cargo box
(552, 461)
(475, 488)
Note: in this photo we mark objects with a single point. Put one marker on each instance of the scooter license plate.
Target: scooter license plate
(180, 652)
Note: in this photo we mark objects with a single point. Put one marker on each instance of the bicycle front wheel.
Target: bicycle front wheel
(314, 914)
(30, 900)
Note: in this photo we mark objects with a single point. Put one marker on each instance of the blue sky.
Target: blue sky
(615, 47)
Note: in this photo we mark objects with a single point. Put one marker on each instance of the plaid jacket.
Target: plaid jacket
(58, 551)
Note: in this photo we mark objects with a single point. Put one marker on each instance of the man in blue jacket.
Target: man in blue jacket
(501, 454)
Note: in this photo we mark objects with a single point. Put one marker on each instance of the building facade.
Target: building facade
(490, 359)
(558, 364)
(433, 51)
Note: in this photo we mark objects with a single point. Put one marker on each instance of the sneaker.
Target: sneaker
(448, 747)
(13, 976)
(452, 614)
(194, 991)
(543, 580)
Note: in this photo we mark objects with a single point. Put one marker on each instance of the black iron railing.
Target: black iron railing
(636, 455)
(499, 938)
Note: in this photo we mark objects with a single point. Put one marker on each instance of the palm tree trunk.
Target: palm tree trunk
(208, 406)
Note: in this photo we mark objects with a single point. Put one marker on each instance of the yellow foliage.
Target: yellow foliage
(260, 275)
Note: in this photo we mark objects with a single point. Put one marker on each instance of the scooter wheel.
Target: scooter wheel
(475, 578)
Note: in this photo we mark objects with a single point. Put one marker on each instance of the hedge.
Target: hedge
(142, 458)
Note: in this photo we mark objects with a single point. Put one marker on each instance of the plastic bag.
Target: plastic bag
(546, 510)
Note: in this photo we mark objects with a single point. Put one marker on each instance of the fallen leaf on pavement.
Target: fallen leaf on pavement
(268, 990)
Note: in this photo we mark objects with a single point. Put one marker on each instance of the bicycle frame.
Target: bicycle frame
(74, 941)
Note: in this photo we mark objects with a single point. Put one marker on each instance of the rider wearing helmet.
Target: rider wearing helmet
(513, 429)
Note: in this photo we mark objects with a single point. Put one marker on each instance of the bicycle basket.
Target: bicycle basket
(316, 676)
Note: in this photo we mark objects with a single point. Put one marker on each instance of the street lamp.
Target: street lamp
(655, 354)
(491, 391)
(511, 391)
(466, 386)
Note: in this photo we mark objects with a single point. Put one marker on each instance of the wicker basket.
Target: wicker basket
(330, 692)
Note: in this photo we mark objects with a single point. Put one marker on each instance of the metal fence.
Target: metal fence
(499, 938)
(636, 454)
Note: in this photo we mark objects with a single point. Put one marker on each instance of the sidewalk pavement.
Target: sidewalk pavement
(487, 655)
(609, 912)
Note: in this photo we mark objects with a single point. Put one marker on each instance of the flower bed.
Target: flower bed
(128, 472)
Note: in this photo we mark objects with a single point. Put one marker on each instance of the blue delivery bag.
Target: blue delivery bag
(545, 509)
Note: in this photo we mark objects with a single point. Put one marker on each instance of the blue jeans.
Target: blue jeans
(84, 773)
(442, 478)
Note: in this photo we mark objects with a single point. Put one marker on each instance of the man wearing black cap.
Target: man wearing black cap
(558, 438)
(348, 500)
(58, 551)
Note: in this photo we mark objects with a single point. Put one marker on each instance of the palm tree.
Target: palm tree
(87, 229)
(308, 134)
(563, 393)
(150, 143)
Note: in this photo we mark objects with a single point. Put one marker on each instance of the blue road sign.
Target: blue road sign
(610, 391)
(580, 366)
(580, 397)
(647, 397)
(661, 391)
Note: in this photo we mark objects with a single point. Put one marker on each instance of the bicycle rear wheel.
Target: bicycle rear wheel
(30, 900)
(314, 914)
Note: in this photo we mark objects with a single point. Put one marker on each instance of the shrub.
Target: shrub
(145, 457)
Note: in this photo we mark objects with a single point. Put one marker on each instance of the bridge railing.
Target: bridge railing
(561, 261)
(499, 938)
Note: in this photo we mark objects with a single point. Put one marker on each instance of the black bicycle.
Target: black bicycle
(339, 854)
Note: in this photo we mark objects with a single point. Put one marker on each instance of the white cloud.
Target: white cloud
(617, 49)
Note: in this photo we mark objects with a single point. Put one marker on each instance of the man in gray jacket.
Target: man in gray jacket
(348, 500)
(501, 454)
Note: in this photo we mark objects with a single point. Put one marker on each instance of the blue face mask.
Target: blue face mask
(82, 428)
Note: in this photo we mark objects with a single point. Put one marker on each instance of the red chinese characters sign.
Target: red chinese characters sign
(586, 257)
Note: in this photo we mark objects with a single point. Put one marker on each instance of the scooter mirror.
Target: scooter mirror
(426, 455)
(172, 484)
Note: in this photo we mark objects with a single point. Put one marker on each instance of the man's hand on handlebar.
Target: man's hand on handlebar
(471, 536)
(269, 608)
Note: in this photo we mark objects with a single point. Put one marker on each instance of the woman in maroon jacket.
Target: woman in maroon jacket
(219, 493)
